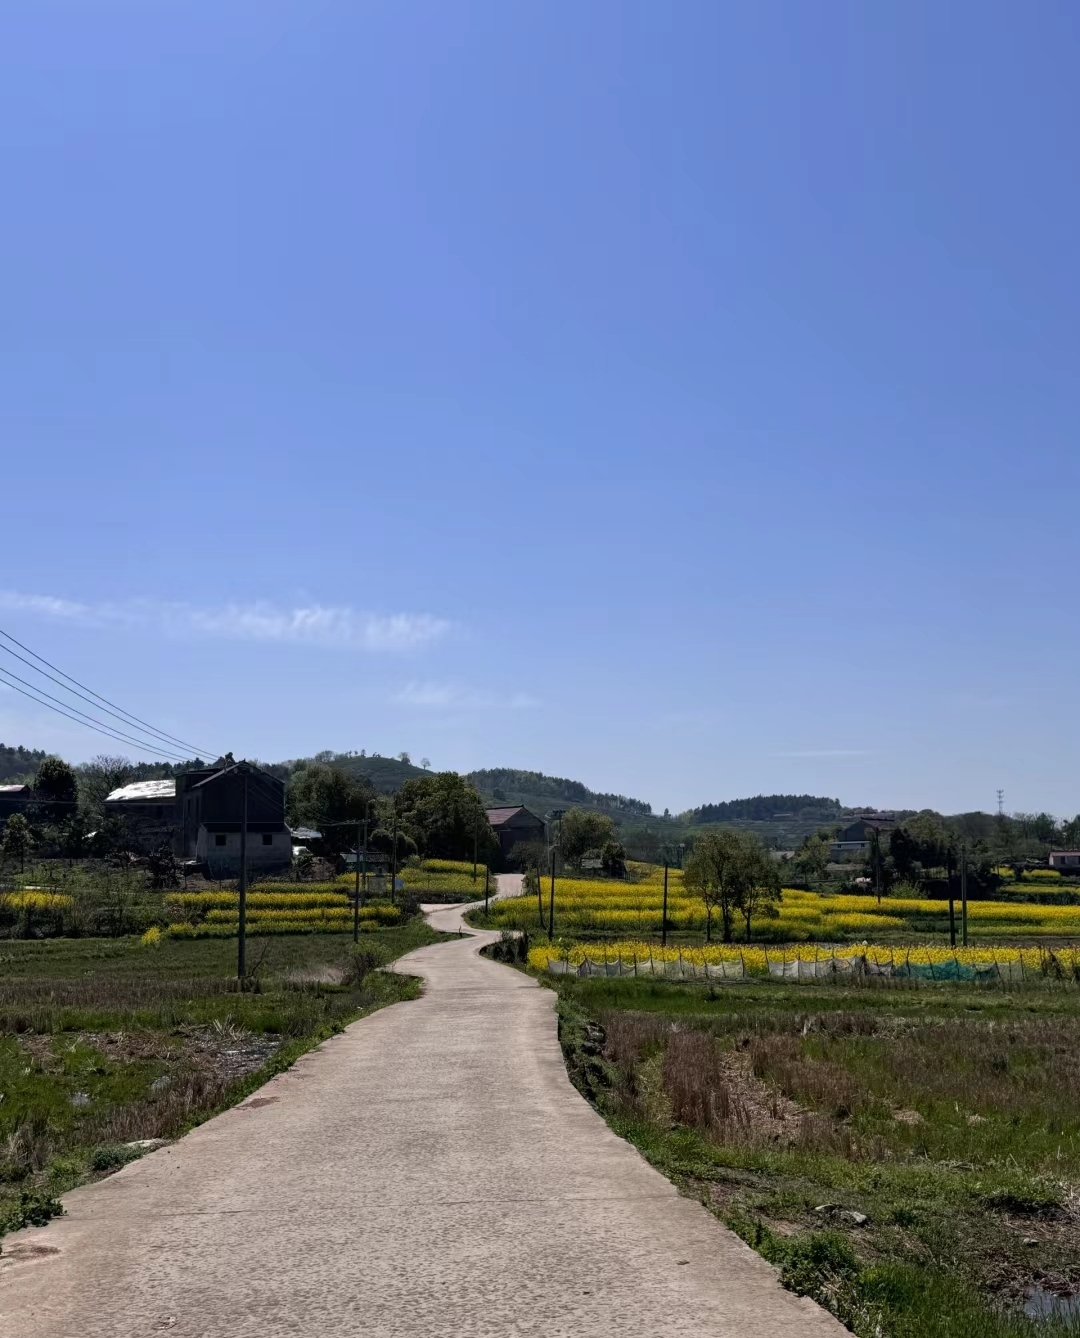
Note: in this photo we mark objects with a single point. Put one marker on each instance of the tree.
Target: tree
(812, 858)
(732, 872)
(331, 801)
(445, 816)
(613, 859)
(98, 778)
(711, 875)
(55, 788)
(584, 832)
(16, 839)
(760, 890)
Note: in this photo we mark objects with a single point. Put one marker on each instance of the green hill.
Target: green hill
(540, 793)
(386, 774)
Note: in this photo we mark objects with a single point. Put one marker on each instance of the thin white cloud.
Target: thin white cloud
(451, 696)
(826, 752)
(316, 624)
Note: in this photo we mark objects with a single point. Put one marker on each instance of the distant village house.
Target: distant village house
(146, 811)
(515, 826)
(855, 838)
(200, 814)
(14, 799)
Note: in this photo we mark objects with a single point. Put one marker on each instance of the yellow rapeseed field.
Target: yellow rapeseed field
(584, 906)
(762, 960)
(275, 908)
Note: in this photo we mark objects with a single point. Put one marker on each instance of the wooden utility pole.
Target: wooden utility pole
(241, 927)
(475, 844)
(663, 920)
(539, 896)
(487, 883)
(963, 895)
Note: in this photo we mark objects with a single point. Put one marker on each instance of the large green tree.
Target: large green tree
(332, 802)
(583, 832)
(445, 816)
(55, 782)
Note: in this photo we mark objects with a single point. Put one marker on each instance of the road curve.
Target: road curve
(429, 1173)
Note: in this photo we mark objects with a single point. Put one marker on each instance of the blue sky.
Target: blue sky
(682, 398)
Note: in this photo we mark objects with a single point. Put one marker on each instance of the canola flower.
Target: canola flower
(594, 905)
(37, 901)
(756, 959)
(276, 908)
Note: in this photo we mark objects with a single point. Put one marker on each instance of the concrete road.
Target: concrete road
(430, 1173)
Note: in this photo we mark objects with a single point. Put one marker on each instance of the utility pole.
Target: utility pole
(551, 901)
(963, 895)
(487, 882)
(356, 894)
(1001, 803)
(663, 920)
(367, 810)
(540, 895)
(241, 927)
(393, 865)
(875, 848)
(475, 844)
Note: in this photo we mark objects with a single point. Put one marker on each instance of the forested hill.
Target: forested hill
(767, 808)
(19, 764)
(506, 785)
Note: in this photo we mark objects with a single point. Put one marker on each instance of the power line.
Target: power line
(164, 738)
(98, 728)
(184, 743)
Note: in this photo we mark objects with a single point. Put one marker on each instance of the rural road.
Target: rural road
(429, 1173)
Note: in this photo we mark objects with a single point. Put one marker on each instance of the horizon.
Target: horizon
(681, 401)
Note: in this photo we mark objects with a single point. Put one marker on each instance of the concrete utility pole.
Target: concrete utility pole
(663, 921)
(360, 830)
(551, 901)
(241, 929)
(393, 867)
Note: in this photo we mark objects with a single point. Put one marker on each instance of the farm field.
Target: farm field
(104, 1042)
(908, 1157)
(80, 900)
(805, 961)
(596, 908)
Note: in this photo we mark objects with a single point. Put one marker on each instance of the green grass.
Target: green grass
(104, 1042)
(948, 1116)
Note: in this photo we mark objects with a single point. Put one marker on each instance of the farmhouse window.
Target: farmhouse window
(219, 840)
(268, 838)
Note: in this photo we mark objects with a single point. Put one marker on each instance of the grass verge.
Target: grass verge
(105, 1044)
(909, 1159)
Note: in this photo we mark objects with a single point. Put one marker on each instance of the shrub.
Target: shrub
(30, 1209)
(362, 960)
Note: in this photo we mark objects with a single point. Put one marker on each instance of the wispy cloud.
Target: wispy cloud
(315, 624)
(826, 752)
(452, 696)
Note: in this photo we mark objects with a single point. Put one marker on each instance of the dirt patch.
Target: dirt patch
(223, 1052)
(771, 1116)
(229, 1053)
